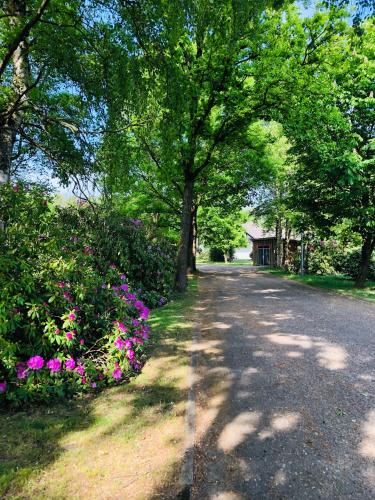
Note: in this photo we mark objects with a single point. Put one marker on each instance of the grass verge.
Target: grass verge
(126, 442)
(338, 283)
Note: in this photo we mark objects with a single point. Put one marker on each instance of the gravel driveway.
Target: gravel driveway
(285, 390)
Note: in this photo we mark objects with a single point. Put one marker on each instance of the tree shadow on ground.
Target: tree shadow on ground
(284, 408)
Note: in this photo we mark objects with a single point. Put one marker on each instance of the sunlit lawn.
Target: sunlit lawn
(126, 442)
(237, 262)
(337, 283)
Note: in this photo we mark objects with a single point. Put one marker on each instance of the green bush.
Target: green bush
(75, 285)
(349, 264)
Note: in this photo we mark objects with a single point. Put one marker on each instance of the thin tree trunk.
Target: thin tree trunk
(186, 223)
(11, 117)
(286, 245)
(192, 259)
(279, 243)
(366, 253)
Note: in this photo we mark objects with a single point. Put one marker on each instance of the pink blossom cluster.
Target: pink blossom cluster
(127, 335)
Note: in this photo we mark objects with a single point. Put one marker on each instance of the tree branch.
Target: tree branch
(22, 35)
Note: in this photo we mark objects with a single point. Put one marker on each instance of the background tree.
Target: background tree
(222, 231)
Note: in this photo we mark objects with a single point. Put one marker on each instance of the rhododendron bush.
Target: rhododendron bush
(76, 287)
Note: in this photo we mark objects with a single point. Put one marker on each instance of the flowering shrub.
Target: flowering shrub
(75, 296)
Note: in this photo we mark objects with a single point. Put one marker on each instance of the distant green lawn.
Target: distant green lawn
(237, 262)
(338, 283)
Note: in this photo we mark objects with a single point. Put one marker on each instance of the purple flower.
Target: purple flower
(145, 313)
(68, 296)
(21, 370)
(128, 344)
(137, 366)
(104, 285)
(122, 277)
(70, 364)
(54, 365)
(3, 386)
(135, 322)
(93, 385)
(131, 296)
(138, 304)
(35, 363)
(117, 373)
(124, 287)
(119, 343)
(130, 354)
(80, 370)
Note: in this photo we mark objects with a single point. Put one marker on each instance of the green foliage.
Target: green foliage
(222, 232)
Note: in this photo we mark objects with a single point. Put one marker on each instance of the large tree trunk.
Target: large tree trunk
(279, 243)
(11, 115)
(366, 253)
(186, 223)
(192, 258)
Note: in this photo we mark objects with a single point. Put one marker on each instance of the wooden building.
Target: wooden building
(263, 245)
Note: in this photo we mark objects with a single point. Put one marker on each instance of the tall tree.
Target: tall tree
(196, 58)
(52, 77)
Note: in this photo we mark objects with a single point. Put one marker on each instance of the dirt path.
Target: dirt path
(286, 405)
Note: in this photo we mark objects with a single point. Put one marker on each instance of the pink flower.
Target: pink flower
(61, 284)
(70, 364)
(130, 354)
(119, 343)
(35, 363)
(80, 370)
(57, 331)
(93, 385)
(113, 266)
(88, 250)
(82, 342)
(72, 316)
(117, 373)
(3, 386)
(21, 370)
(69, 335)
(54, 365)
(128, 344)
(100, 376)
(121, 327)
(138, 304)
(68, 296)
(145, 313)
(84, 380)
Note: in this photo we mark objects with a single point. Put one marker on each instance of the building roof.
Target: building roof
(256, 232)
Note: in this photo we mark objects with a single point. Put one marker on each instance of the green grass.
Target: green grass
(338, 283)
(124, 442)
(238, 262)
